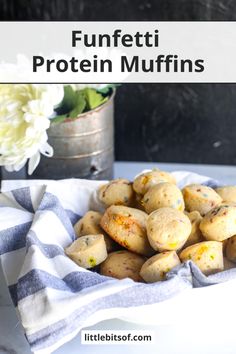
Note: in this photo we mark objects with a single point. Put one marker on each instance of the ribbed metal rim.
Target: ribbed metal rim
(75, 136)
(82, 156)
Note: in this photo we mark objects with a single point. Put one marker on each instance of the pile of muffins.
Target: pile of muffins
(150, 226)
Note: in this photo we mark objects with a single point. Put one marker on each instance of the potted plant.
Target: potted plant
(59, 131)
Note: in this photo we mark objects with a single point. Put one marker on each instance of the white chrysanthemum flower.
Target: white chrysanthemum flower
(25, 110)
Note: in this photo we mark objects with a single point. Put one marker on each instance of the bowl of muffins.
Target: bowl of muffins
(150, 226)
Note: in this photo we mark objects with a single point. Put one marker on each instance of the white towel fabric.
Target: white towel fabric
(54, 297)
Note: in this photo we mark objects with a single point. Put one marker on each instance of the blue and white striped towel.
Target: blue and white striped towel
(54, 297)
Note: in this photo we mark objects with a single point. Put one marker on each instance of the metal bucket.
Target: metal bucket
(83, 148)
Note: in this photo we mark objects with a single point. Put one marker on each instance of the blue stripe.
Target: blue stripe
(13, 292)
(23, 197)
(51, 202)
(137, 295)
(73, 216)
(48, 250)
(13, 238)
(36, 280)
(212, 183)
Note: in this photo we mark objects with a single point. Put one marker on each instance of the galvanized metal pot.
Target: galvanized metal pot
(83, 148)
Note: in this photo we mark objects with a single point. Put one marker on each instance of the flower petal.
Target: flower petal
(33, 163)
(24, 119)
(46, 150)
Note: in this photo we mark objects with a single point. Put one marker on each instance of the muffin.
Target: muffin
(231, 249)
(89, 224)
(148, 179)
(228, 264)
(163, 195)
(156, 267)
(116, 192)
(207, 255)
(195, 235)
(228, 194)
(88, 251)
(127, 226)
(123, 264)
(219, 223)
(168, 229)
(138, 202)
(200, 198)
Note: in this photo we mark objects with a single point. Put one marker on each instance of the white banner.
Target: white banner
(115, 52)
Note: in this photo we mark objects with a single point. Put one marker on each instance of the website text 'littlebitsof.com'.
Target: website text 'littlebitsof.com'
(116, 337)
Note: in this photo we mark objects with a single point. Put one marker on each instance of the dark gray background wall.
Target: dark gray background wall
(157, 122)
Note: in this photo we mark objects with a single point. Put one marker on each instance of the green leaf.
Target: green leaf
(76, 102)
(105, 90)
(69, 101)
(72, 105)
(59, 118)
(93, 98)
(79, 106)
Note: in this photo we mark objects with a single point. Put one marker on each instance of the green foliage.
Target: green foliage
(93, 98)
(76, 102)
(107, 89)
